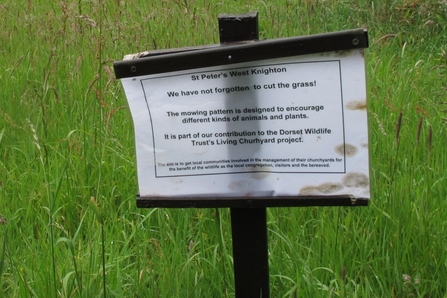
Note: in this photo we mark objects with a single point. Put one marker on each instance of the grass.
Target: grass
(69, 226)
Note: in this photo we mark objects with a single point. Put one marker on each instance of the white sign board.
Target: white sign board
(293, 126)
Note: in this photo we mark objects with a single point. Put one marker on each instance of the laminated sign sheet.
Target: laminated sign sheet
(291, 126)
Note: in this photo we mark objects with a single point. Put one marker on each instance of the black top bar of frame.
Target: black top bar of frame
(198, 57)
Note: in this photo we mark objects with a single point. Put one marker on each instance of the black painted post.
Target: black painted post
(249, 225)
(250, 252)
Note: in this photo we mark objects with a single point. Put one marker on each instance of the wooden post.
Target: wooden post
(249, 225)
(250, 252)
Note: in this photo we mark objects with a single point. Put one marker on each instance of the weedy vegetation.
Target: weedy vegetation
(69, 226)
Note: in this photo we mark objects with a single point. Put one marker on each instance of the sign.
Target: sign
(293, 126)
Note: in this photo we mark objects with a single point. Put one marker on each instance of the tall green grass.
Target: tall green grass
(69, 226)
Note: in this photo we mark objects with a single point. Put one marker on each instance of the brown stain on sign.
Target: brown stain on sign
(308, 190)
(325, 188)
(356, 180)
(347, 150)
(259, 175)
(350, 180)
(329, 187)
(356, 105)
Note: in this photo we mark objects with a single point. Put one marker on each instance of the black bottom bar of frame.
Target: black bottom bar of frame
(255, 202)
